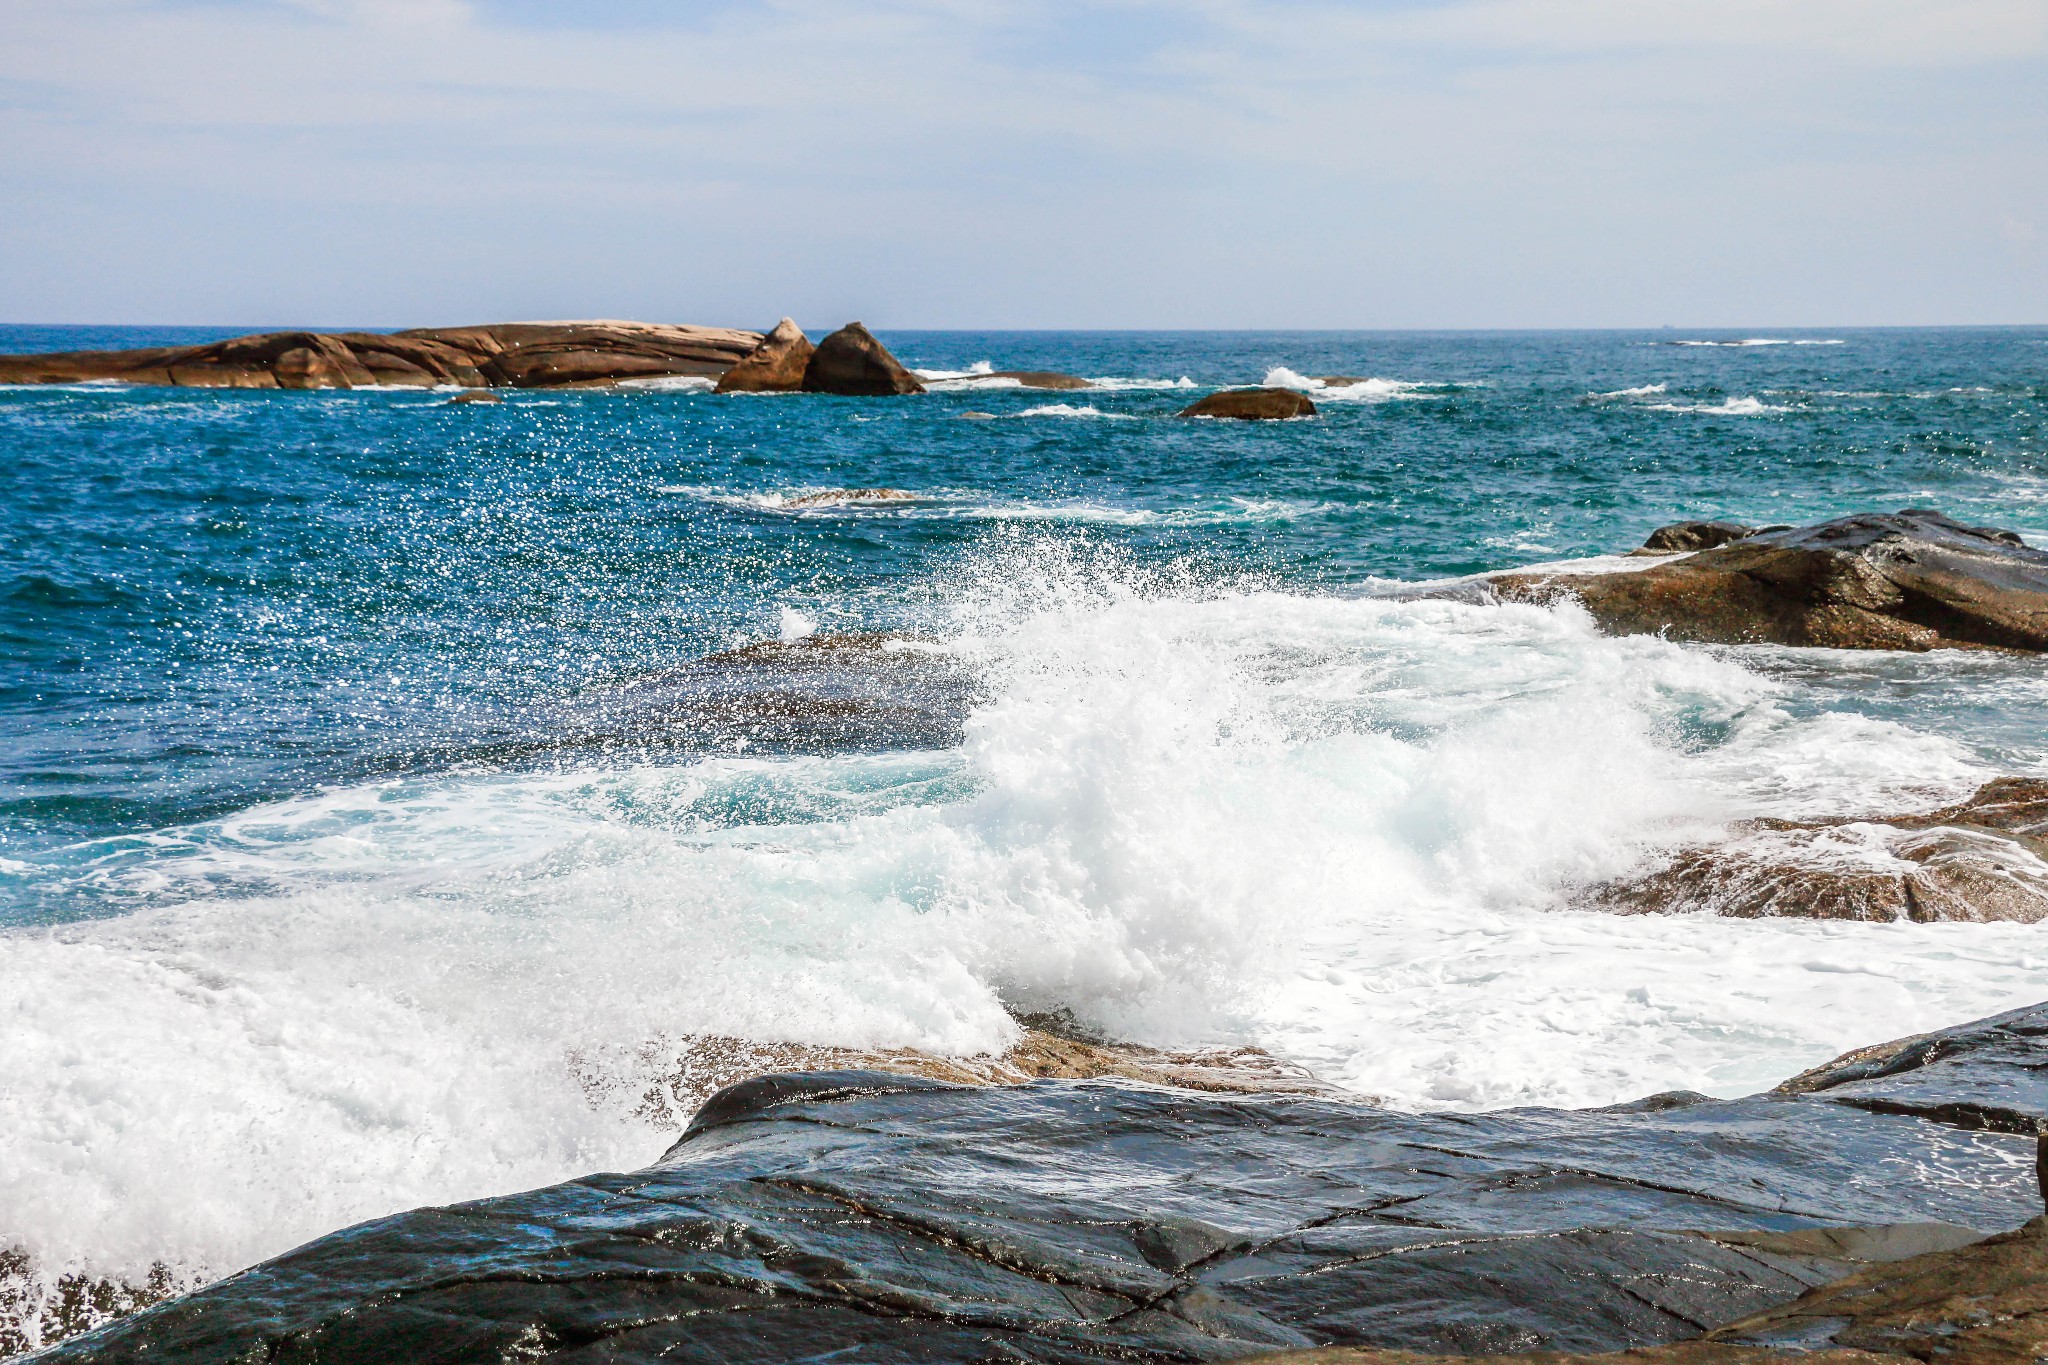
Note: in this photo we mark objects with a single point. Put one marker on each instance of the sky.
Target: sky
(1005, 163)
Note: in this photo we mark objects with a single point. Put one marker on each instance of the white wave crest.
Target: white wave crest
(1730, 407)
(1769, 341)
(1640, 391)
(1358, 390)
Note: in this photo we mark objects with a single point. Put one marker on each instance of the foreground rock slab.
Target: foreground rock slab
(1913, 580)
(1982, 1304)
(509, 355)
(854, 1215)
(1983, 859)
(1252, 405)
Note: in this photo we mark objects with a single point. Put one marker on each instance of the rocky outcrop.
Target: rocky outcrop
(512, 355)
(1252, 405)
(852, 362)
(1912, 580)
(855, 1214)
(1685, 537)
(777, 365)
(1982, 859)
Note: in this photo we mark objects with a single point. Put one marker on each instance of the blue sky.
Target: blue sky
(1216, 163)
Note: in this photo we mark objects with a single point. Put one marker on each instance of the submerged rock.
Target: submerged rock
(852, 1214)
(512, 354)
(849, 497)
(475, 396)
(1911, 580)
(1983, 859)
(1039, 379)
(777, 365)
(1252, 405)
(852, 362)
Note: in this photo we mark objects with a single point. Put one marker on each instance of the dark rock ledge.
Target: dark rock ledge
(1909, 580)
(855, 1215)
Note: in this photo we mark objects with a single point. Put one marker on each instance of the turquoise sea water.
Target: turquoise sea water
(303, 892)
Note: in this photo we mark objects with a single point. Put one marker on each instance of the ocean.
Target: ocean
(371, 832)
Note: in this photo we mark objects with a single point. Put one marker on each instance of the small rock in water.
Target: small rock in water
(852, 362)
(1039, 379)
(1252, 405)
(475, 396)
(978, 416)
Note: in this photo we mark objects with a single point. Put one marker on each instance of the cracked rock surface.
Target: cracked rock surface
(861, 1216)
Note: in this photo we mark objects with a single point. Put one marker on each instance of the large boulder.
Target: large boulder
(1252, 405)
(513, 354)
(852, 362)
(1910, 580)
(777, 365)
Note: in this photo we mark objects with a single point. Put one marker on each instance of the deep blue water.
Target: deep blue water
(211, 597)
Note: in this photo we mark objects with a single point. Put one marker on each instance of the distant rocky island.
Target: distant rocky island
(561, 355)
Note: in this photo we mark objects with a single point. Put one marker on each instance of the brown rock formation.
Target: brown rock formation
(852, 362)
(1027, 379)
(1914, 580)
(691, 1070)
(513, 355)
(1980, 860)
(777, 365)
(1252, 405)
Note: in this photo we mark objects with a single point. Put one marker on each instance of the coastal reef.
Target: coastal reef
(1912, 580)
(1252, 405)
(861, 1215)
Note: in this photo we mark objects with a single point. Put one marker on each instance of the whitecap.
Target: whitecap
(1731, 407)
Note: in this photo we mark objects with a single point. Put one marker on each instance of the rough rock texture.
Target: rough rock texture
(1982, 859)
(1912, 580)
(512, 354)
(1686, 536)
(1983, 1304)
(775, 366)
(1252, 405)
(852, 362)
(858, 1216)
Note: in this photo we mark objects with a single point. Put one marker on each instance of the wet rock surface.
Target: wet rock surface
(511, 355)
(851, 362)
(1252, 405)
(777, 365)
(858, 1216)
(1684, 537)
(1911, 580)
(1983, 859)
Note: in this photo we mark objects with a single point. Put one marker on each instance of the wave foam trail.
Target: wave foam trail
(1351, 390)
(1346, 829)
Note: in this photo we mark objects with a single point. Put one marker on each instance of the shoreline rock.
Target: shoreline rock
(1911, 580)
(499, 355)
(1252, 405)
(850, 362)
